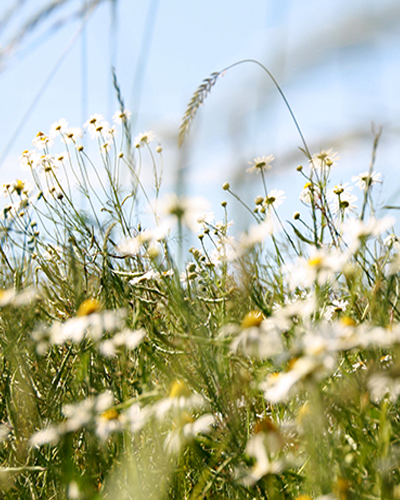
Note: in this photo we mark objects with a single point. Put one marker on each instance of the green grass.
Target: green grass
(266, 366)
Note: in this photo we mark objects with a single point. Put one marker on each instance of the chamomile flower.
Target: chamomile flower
(106, 147)
(151, 274)
(21, 187)
(382, 384)
(321, 266)
(127, 338)
(259, 336)
(61, 157)
(180, 400)
(365, 179)
(50, 435)
(355, 231)
(92, 325)
(144, 138)
(184, 210)
(48, 164)
(223, 251)
(4, 432)
(316, 363)
(261, 164)
(121, 116)
(391, 241)
(307, 193)
(265, 462)
(185, 431)
(324, 160)
(143, 239)
(93, 411)
(10, 297)
(275, 198)
(73, 134)
(58, 128)
(94, 120)
(80, 414)
(55, 192)
(97, 126)
(42, 141)
(29, 160)
(342, 199)
(256, 234)
(336, 307)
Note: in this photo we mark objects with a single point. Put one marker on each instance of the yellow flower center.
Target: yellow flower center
(19, 186)
(315, 261)
(270, 200)
(253, 318)
(110, 414)
(179, 389)
(265, 425)
(88, 306)
(347, 321)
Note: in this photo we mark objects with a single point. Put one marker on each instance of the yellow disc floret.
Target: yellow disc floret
(253, 318)
(88, 306)
(179, 389)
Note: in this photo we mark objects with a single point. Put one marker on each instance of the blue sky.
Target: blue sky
(336, 60)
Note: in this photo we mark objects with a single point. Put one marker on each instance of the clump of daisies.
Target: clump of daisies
(264, 364)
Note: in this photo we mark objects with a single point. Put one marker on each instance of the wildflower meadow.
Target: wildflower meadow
(254, 365)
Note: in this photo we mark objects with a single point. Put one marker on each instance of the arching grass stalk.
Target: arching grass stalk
(205, 88)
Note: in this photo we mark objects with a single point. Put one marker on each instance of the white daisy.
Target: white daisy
(121, 116)
(324, 159)
(342, 199)
(261, 163)
(42, 141)
(144, 138)
(58, 128)
(365, 179)
(275, 198)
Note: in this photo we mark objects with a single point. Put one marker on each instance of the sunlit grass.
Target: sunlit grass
(260, 365)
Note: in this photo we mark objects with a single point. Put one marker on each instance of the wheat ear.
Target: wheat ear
(194, 104)
(205, 88)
